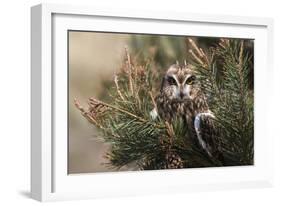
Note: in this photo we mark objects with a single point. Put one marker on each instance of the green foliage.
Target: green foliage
(230, 99)
(135, 138)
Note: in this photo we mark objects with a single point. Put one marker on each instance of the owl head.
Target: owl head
(179, 83)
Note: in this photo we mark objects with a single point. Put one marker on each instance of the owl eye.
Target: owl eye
(190, 80)
(171, 81)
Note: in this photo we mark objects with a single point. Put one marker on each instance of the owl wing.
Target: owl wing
(206, 133)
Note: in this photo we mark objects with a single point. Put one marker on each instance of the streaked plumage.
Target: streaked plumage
(181, 96)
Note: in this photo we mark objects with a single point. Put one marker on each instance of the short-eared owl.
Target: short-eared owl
(181, 97)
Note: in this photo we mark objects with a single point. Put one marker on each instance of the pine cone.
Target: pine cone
(171, 161)
(174, 161)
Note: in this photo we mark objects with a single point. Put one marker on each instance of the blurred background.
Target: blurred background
(94, 58)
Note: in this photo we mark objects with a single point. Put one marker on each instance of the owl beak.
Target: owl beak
(181, 95)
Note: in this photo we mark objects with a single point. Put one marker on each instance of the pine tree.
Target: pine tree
(225, 77)
(125, 122)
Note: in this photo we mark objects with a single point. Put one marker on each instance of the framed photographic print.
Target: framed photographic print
(137, 102)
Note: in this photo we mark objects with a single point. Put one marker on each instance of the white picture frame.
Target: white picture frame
(49, 178)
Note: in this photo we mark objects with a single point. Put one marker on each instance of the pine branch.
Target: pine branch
(155, 144)
(231, 100)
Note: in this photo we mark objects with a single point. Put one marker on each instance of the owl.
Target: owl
(181, 97)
